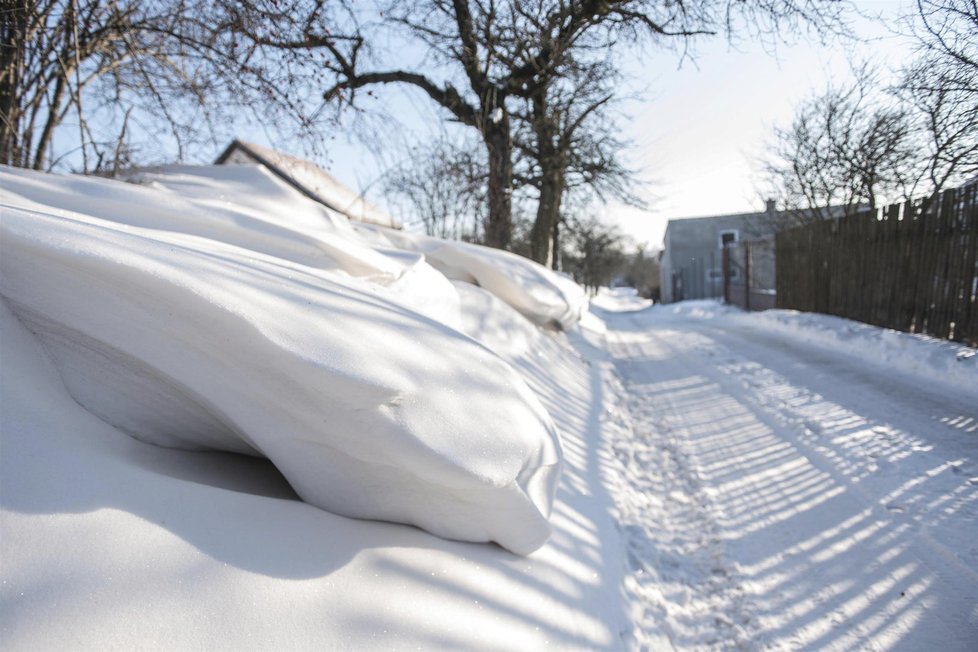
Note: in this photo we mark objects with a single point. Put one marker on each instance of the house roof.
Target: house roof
(768, 220)
(311, 180)
(688, 224)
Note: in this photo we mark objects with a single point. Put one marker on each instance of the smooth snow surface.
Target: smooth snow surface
(544, 297)
(779, 492)
(188, 342)
(109, 543)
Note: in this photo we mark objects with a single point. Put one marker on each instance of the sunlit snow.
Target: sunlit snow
(205, 375)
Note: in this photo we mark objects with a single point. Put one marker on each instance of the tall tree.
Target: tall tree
(443, 186)
(848, 148)
(491, 51)
(569, 141)
(941, 87)
(476, 39)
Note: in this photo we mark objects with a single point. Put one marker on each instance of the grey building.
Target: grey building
(692, 259)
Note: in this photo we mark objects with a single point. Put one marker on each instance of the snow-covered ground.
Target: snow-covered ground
(781, 491)
(684, 476)
(270, 351)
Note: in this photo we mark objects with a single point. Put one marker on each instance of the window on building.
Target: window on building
(727, 237)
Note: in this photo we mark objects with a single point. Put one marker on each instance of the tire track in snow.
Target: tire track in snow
(684, 589)
(822, 532)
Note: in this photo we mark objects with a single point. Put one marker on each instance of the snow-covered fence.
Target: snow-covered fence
(749, 273)
(911, 267)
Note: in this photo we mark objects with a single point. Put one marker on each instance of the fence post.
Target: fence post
(747, 255)
(725, 261)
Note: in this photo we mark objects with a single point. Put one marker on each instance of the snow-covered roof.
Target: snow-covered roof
(310, 179)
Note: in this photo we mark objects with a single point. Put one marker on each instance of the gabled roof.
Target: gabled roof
(309, 179)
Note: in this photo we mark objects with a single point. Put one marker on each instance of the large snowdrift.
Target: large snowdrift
(109, 543)
(545, 297)
(367, 407)
(209, 339)
(243, 205)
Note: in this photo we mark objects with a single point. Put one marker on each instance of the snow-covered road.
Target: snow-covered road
(777, 495)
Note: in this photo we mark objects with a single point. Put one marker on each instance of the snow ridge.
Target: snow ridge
(355, 397)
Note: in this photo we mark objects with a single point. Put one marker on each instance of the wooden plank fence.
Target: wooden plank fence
(911, 267)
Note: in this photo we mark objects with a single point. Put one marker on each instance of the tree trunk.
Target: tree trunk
(551, 181)
(543, 245)
(40, 155)
(13, 30)
(499, 146)
(555, 246)
(548, 207)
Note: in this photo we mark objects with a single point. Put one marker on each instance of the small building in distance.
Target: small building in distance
(692, 256)
(309, 179)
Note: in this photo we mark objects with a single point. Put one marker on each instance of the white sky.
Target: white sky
(697, 129)
(700, 133)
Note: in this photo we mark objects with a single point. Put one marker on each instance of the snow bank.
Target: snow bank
(496, 324)
(112, 543)
(921, 356)
(939, 361)
(244, 205)
(368, 408)
(257, 201)
(545, 297)
(619, 299)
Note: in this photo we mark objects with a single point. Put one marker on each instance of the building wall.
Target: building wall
(693, 257)
(665, 267)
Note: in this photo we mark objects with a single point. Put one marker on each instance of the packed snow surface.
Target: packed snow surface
(619, 299)
(794, 481)
(729, 480)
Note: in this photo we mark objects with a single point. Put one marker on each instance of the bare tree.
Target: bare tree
(443, 186)
(568, 141)
(108, 68)
(948, 29)
(488, 52)
(476, 39)
(862, 144)
(642, 271)
(594, 252)
(848, 148)
(52, 51)
(941, 86)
